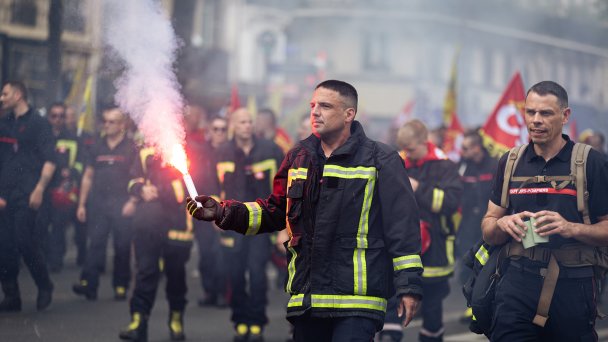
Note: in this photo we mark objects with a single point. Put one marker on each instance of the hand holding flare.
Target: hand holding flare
(180, 162)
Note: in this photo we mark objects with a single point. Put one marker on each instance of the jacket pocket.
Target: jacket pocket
(360, 266)
(295, 198)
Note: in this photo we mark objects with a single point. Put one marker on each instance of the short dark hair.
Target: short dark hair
(20, 87)
(270, 113)
(475, 137)
(549, 87)
(57, 104)
(344, 89)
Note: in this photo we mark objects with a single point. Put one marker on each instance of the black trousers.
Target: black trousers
(250, 254)
(571, 314)
(22, 237)
(59, 220)
(339, 329)
(101, 221)
(213, 273)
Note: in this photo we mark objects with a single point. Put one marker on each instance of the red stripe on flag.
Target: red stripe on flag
(534, 191)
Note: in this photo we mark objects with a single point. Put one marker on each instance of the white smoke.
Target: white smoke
(148, 90)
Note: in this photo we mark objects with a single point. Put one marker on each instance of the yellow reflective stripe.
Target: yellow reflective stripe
(189, 225)
(266, 165)
(134, 181)
(296, 300)
(408, 261)
(72, 147)
(180, 235)
(223, 168)
(482, 255)
(430, 271)
(449, 249)
(178, 190)
(144, 153)
(78, 167)
(291, 269)
(255, 217)
(437, 203)
(349, 172)
(359, 263)
(348, 302)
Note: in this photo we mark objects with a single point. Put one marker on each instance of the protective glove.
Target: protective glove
(211, 210)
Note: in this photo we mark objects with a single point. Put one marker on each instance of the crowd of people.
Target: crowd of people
(362, 233)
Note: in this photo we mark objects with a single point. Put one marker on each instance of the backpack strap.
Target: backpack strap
(546, 293)
(514, 156)
(578, 169)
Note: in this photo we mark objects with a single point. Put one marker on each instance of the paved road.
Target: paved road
(72, 318)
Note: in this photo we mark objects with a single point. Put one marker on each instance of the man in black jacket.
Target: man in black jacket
(352, 222)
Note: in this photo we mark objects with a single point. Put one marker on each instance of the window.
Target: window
(24, 12)
(73, 19)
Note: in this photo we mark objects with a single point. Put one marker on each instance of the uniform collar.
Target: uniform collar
(563, 155)
(357, 136)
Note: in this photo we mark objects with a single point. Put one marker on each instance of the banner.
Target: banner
(505, 127)
(454, 133)
(235, 102)
(86, 121)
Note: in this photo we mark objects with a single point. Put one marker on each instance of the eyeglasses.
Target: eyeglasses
(219, 129)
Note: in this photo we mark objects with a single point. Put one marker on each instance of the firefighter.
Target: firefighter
(162, 239)
(246, 167)
(26, 172)
(352, 222)
(437, 188)
(106, 206)
(63, 188)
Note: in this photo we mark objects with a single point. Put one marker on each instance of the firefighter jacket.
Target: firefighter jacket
(353, 226)
(438, 197)
(148, 169)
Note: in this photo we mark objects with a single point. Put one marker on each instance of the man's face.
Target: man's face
(264, 127)
(329, 113)
(218, 132)
(10, 97)
(544, 118)
(470, 150)
(56, 117)
(113, 122)
(407, 140)
(242, 124)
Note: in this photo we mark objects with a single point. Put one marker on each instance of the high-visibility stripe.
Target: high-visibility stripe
(255, 217)
(437, 203)
(296, 300)
(223, 168)
(449, 249)
(348, 302)
(482, 255)
(359, 263)
(144, 153)
(269, 165)
(71, 146)
(408, 261)
(291, 269)
(178, 190)
(78, 167)
(430, 271)
(134, 181)
(180, 235)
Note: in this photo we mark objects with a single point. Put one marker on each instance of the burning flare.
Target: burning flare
(180, 162)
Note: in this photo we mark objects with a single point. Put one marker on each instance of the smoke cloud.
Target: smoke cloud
(143, 39)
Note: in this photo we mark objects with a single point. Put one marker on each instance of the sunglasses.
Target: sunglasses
(219, 129)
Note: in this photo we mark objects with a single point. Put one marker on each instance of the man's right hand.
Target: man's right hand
(211, 210)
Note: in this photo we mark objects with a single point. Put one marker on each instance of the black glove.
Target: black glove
(211, 210)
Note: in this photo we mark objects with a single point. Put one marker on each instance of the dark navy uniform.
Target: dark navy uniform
(108, 194)
(29, 143)
(573, 308)
(247, 177)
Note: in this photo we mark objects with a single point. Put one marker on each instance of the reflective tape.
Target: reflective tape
(71, 146)
(222, 168)
(408, 261)
(291, 269)
(437, 202)
(348, 302)
(482, 255)
(296, 300)
(255, 217)
(269, 165)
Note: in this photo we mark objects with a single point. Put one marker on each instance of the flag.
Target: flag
(235, 102)
(86, 121)
(453, 134)
(505, 127)
(72, 100)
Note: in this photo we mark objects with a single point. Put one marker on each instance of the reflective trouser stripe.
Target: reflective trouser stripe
(430, 271)
(437, 202)
(255, 217)
(291, 269)
(408, 261)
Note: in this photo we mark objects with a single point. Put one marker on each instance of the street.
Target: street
(72, 318)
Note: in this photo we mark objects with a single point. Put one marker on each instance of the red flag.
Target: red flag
(235, 102)
(506, 128)
(454, 132)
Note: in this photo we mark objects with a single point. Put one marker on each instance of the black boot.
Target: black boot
(137, 330)
(45, 297)
(176, 326)
(83, 289)
(12, 297)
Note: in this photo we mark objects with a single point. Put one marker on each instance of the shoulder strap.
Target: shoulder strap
(514, 156)
(578, 168)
